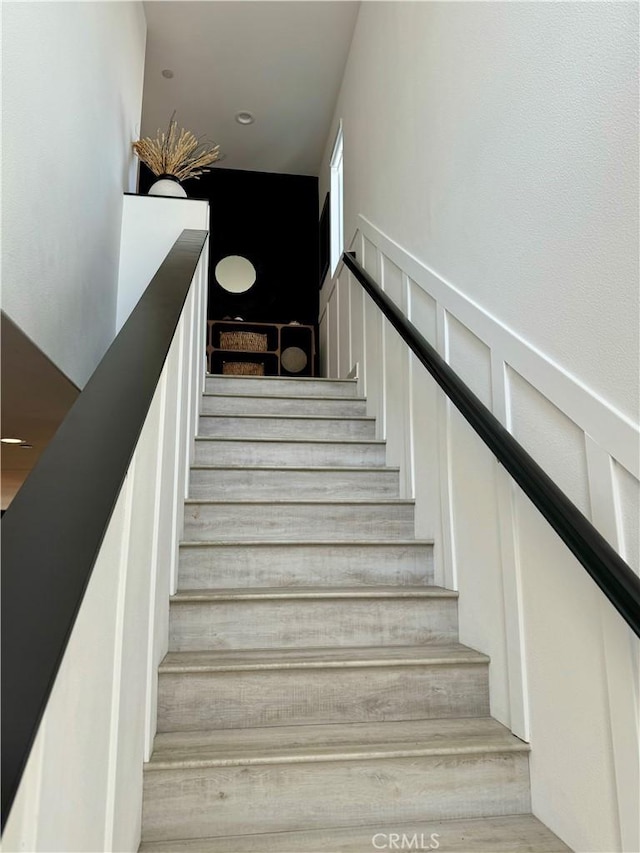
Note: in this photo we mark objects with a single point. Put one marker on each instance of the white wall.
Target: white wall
(491, 178)
(499, 143)
(72, 99)
(82, 786)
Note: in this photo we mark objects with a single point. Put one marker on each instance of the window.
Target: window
(335, 196)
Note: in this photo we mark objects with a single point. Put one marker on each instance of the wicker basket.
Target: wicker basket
(244, 341)
(242, 368)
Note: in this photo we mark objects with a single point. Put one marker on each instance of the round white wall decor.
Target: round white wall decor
(235, 274)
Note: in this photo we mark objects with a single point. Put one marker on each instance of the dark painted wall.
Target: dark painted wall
(272, 220)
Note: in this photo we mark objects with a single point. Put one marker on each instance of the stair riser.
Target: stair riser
(281, 387)
(193, 701)
(224, 522)
(310, 428)
(279, 797)
(343, 408)
(288, 454)
(311, 623)
(242, 483)
(211, 567)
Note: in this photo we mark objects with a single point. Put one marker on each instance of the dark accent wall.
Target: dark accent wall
(272, 220)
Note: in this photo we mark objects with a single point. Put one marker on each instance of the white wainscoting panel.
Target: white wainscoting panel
(558, 448)
(397, 383)
(429, 465)
(343, 299)
(75, 763)
(510, 563)
(572, 760)
(334, 334)
(627, 502)
(192, 397)
(324, 342)
(357, 333)
(564, 665)
(476, 521)
(128, 713)
(471, 359)
(621, 652)
(374, 345)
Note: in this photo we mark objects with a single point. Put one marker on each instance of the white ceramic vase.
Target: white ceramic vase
(168, 186)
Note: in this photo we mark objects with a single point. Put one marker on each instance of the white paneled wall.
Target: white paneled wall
(564, 671)
(82, 786)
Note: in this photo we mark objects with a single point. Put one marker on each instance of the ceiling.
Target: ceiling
(36, 397)
(281, 61)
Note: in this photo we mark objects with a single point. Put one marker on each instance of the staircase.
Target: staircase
(315, 696)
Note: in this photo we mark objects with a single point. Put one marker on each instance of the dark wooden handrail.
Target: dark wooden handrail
(614, 577)
(53, 529)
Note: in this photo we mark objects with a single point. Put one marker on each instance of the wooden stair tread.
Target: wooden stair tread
(349, 441)
(356, 469)
(233, 377)
(508, 834)
(331, 742)
(262, 659)
(311, 592)
(296, 543)
(287, 417)
(281, 396)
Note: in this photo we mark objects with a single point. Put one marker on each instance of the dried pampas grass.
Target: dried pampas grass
(179, 154)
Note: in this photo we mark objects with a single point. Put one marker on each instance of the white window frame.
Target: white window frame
(336, 240)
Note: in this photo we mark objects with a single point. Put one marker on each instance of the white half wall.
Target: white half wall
(72, 76)
(151, 224)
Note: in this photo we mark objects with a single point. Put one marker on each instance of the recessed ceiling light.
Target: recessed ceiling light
(168, 73)
(245, 117)
(12, 440)
(25, 446)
